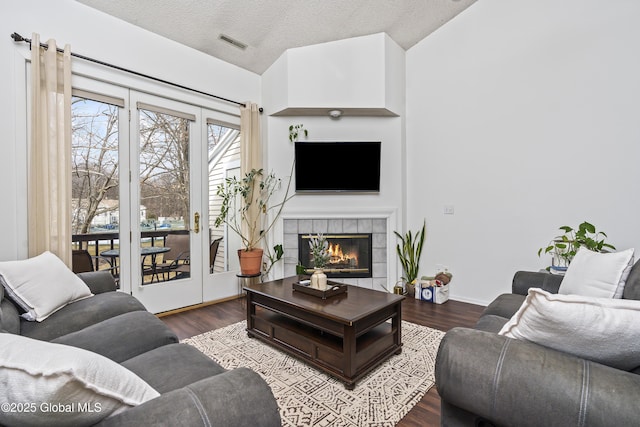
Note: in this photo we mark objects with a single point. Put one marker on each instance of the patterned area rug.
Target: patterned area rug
(308, 397)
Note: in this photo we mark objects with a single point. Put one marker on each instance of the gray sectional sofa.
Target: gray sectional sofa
(486, 379)
(194, 390)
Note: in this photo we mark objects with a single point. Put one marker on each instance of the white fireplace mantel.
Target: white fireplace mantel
(315, 220)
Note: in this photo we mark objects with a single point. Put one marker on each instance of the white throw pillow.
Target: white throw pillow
(598, 329)
(55, 384)
(597, 274)
(42, 285)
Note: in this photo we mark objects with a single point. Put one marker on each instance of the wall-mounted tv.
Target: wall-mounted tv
(337, 166)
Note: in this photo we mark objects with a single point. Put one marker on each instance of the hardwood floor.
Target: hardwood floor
(439, 316)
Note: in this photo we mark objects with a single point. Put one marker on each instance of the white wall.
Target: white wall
(360, 75)
(524, 117)
(332, 67)
(100, 36)
(316, 90)
(386, 129)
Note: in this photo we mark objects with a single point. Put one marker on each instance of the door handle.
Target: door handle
(196, 220)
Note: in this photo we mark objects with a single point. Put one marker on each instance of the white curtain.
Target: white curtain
(250, 146)
(250, 151)
(49, 171)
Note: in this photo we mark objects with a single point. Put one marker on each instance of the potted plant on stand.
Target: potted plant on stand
(248, 211)
(409, 252)
(564, 247)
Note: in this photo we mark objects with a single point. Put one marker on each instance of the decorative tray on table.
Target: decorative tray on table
(332, 288)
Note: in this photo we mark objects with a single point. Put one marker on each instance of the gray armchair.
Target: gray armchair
(491, 380)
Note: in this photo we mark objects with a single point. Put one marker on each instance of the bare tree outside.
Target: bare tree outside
(163, 144)
(95, 162)
(164, 171)
(164, 166)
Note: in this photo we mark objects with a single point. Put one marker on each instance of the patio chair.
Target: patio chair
(213, 252)
(82, 261)
(176, 260)
(184, 270)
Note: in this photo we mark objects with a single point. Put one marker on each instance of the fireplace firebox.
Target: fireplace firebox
(350, 254)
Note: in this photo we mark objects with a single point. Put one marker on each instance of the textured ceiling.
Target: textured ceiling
(269, 27)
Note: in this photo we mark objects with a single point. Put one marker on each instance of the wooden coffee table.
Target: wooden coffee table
(346, 335)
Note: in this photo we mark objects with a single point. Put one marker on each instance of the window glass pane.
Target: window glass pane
(164, 195)
(224, 148)
(95, 185)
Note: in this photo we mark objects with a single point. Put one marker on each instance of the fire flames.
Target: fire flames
(339, 257)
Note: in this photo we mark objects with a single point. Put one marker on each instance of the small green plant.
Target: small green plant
(295, 130)
(565, 246)
(319, 250)
(409, 253)
(272, 258)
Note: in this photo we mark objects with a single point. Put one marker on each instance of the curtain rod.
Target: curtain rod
(18, 38)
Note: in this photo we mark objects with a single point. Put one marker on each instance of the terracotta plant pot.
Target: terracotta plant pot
(250, 261)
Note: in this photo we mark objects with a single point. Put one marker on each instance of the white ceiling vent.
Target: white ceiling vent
(232, 41)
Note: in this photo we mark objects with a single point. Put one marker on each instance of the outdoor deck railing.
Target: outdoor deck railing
(95, 243)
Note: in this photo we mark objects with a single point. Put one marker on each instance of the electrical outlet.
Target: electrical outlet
(448, 209)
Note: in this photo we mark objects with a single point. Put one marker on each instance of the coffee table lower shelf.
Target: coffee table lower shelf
(346, 352)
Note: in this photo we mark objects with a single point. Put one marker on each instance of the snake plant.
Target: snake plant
(409, 252)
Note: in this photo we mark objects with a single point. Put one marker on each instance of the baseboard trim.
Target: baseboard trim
(195, 306)
(469, 300)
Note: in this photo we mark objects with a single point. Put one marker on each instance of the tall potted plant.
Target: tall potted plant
(247, 209)
(409, 252)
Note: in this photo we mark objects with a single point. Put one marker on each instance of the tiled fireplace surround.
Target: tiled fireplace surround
(379, 235)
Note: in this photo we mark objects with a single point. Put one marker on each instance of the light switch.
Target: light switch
(448, 209)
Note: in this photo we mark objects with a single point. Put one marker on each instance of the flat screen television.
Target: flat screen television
(337, 166)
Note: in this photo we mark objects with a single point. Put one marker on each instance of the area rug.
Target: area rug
(308, 397)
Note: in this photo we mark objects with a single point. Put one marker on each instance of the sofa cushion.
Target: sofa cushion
(523, 280)
(597, 274)
(144, 332)
(504, 305)
(99, 281)
(41, 285)
(591, 328)
(491, 323)
(235, 398)
(632, 285)
(172, 366)
(81, 314)
(9, 317)
(44, 374)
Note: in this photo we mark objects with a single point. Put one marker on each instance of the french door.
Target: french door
(166, 230)
(138, 192)
(149, 219)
